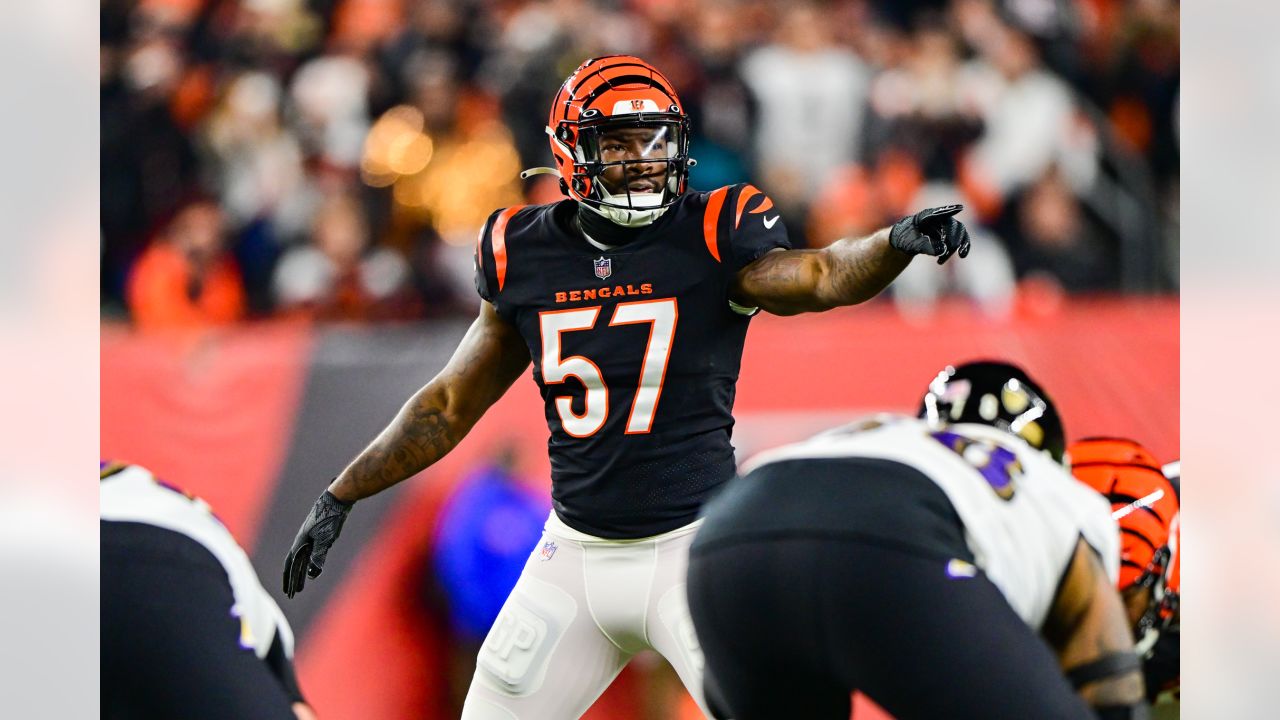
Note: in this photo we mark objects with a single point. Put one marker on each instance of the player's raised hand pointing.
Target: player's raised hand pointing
(933, 231)
(315, 537)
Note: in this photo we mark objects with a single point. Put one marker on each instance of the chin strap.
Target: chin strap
(526, 174)
(626, 217)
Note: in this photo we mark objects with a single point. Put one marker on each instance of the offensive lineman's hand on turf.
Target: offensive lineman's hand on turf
(933, 231)
(319, 530)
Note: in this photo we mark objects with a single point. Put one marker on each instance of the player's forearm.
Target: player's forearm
(850, 271)
(424, 431)
(858, 269)
(1087, 624)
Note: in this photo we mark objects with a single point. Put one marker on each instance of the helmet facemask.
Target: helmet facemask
(630, 169)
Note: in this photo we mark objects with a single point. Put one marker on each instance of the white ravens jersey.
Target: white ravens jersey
(1022, 512)
(132, 494)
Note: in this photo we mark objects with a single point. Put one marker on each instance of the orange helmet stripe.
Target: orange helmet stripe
(500, 243)
(711, 218)
(626, 70)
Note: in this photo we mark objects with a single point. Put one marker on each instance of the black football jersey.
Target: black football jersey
(636, 350)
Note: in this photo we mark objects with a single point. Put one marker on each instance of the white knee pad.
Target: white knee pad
(513, 659)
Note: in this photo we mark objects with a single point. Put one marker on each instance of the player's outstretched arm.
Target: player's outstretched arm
(1088, 628)
(849, 271)
(488, 360)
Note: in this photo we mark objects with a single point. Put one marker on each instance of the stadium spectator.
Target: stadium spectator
(1030, 121)
(148, 158)
(329, 95)
(811, 94)
(186, 278)
(840, 108)
(256, 163)
(722, 109)
(924, 108)
(340, 275)
(1059, 240)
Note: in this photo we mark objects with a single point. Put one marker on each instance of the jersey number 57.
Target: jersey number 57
(661, 316)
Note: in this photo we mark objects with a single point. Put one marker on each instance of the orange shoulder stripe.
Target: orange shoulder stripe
(747, 193)
(500, 243)
(711, 218)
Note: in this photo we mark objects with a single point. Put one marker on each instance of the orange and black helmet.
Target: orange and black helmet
(1145, 506)
(620, 98)
(1142, 502)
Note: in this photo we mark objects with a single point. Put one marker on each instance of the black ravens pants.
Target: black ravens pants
(790, 626)
(170, 646)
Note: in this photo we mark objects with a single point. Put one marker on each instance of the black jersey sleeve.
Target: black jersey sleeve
(754, 226)
(485, 264)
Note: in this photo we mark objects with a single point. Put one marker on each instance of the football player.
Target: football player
(945, 566)
(632, 299)
(1145, 504)
(188, 631)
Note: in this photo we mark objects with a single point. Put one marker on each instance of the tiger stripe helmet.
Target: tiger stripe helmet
(607, 94)
(1142, 502)
(1145, 506)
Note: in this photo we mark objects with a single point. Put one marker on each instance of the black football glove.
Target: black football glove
(311, 546)
(934, 231)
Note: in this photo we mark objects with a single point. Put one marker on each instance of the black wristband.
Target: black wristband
(1118, 663)
(1137, 711)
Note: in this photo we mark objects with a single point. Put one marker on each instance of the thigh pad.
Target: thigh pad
(515, 654)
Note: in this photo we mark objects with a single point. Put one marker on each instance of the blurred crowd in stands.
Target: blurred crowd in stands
(333, 159)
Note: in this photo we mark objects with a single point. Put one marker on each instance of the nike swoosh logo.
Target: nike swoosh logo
(770, 222)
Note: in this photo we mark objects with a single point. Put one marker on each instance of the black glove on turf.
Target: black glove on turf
(318, 532)
(933, 231)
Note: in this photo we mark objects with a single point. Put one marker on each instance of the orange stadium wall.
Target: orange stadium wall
(257, 419)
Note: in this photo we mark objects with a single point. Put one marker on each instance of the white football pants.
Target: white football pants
(582, 608)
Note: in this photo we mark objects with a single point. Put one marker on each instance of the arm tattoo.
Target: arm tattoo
(782, 271)
(845, 273)
(860, 269)
(419, 437)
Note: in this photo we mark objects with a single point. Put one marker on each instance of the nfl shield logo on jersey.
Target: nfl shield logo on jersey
(548, 550)
(604, 267)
